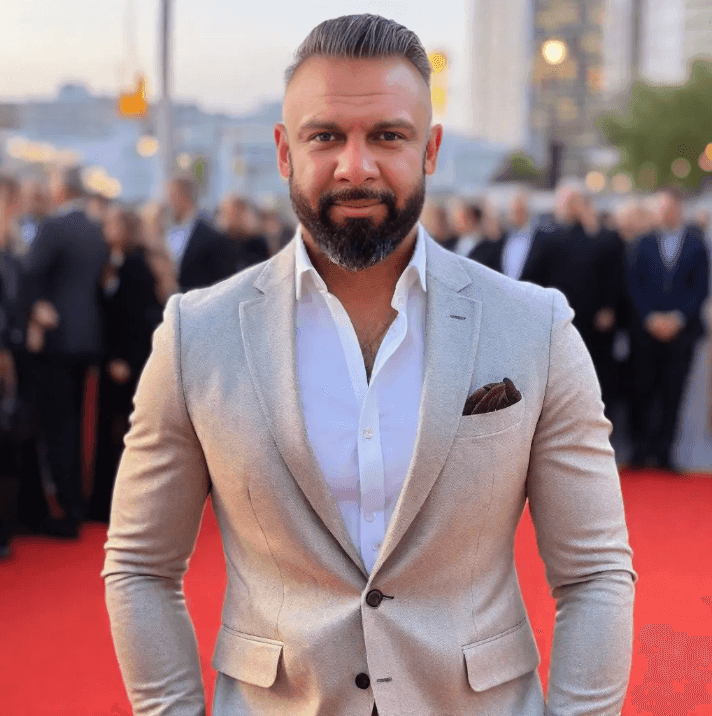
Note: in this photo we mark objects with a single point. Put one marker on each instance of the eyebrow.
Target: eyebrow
(386, 125)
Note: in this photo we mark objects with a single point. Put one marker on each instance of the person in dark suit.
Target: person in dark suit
(517, 250)
(239, 221)
(669, 282)
(66, 330)
(133, 311)
(201, 253)
(570, 260)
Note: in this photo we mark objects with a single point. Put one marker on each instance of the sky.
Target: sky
(228, 55)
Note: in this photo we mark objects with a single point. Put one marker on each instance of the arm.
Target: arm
(160, 494)
(692, 309)
(577, 510)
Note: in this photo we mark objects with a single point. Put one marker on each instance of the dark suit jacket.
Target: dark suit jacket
(532, 260)
(133, 312)
(247, 251)
(575, 263)
(207, 258)
(684, 288)
(64, 266)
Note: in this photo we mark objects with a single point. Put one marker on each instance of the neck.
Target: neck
(377, 283)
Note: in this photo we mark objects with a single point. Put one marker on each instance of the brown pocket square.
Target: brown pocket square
(491, 397)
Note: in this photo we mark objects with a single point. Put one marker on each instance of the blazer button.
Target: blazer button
(374, 598)
(362, 681)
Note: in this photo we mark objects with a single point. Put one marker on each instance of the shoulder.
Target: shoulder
(508, 297)
(222, 297)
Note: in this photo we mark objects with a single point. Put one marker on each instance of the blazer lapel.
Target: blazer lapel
(268, 332)
(452, 327)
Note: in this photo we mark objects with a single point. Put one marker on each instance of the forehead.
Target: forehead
(337, 89)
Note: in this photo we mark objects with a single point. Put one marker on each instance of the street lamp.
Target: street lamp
(554, 51)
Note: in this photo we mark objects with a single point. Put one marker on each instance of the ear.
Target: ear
(432, 148)
(283, 158)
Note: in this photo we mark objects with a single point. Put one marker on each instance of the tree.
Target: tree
(519, 167)
(663, 132)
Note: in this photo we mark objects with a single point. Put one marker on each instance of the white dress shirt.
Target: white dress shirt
(466, 243)
(362, 433)
(670, 245)
(515, 251)
(178, 238)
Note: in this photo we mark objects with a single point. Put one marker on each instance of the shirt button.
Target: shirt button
(376, 546)
(369, 517)
(368, 433)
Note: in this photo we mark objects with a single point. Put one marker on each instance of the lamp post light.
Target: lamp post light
(554, 52)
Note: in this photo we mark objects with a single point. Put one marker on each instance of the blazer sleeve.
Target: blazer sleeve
(159, 498)
(577, 508)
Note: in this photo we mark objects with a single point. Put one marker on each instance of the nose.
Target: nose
(356, 163)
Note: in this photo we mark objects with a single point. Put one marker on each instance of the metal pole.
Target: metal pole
(165, 114)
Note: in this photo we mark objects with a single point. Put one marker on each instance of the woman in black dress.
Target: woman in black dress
(132, 313)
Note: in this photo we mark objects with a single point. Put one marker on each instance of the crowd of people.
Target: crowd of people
(83, 282)
(637, 279)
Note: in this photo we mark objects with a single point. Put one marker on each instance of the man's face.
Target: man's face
(669, 210)
(356, 145)
(519, 212)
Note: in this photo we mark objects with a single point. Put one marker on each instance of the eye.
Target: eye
(323, 137)
(389, 136)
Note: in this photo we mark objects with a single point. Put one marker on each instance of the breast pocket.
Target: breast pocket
(245, 657)
(473, 426)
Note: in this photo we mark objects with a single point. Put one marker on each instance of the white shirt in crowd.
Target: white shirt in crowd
(178, 238)
(670, 245)
(362, 433)
(515, 251)
(466, 243)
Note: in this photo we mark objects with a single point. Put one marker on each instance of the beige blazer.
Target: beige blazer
(217, 412)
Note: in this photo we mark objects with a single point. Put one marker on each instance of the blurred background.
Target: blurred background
(616, 92)
(137, 159)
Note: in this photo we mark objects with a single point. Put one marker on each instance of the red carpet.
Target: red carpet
(56, 656)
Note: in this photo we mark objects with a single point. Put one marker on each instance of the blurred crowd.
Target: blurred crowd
(637, 279)
(83, 283)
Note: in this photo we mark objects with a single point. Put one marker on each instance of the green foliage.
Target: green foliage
(520, 167)
(661, 124)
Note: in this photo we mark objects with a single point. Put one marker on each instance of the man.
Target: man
(467, 221)
(64, 268)
(368, 524)
(513, 253)
(669, 282)
(202, 255)
(239, 221)
(36, 209)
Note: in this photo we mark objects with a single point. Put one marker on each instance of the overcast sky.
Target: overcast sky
(228, 55)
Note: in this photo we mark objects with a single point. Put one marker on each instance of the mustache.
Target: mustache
(327, 200)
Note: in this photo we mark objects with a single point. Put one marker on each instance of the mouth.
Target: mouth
(362, 207)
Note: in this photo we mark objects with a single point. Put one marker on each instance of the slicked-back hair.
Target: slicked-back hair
(365, 36)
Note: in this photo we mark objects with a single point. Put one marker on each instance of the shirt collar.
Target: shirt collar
(304, 269)
(69, 206)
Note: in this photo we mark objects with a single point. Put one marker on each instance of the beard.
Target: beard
(357, 243)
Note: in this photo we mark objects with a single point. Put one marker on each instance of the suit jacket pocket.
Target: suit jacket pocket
(472, 426)
(503, 657)
(252, 659)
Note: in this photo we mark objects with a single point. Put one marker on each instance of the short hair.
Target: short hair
(187, 186)
(362, 37)
(71, 180)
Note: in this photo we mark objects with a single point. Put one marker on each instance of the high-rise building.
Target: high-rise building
(517, 98)
(500, 49)
(567, 78)
(654, 40)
